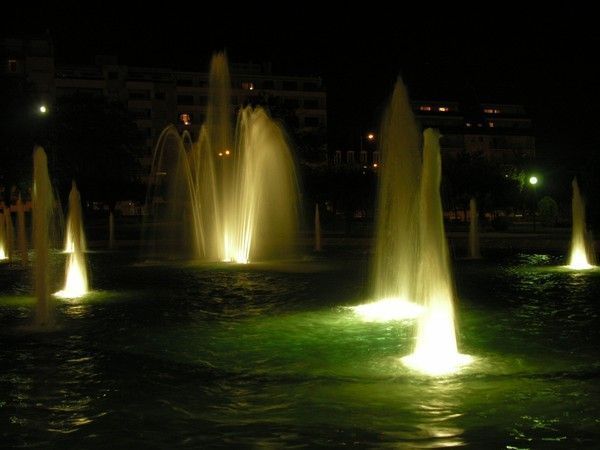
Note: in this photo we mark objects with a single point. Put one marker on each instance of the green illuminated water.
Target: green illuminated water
(190, 356)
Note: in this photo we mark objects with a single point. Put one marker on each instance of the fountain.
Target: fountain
(436, 351)
(317, 229)
(231, 196)
(582, 250)
(74, 220)
(76, 283)
(474, 231)
(21, 233)
(42, 207)
(9, 234)
(397, 232)
(2, 239)
(412, 267)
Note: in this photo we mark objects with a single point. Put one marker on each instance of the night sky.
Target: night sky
(547, 63)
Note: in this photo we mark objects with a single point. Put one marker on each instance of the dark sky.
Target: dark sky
(546, 61)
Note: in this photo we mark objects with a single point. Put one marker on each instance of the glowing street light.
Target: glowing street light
(370, 136)
(43, 109)
(533, 180)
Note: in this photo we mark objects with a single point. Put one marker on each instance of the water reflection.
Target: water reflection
(242, 358)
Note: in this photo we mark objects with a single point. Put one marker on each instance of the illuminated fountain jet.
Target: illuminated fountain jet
(582, 250)
(2, 239)
(42, 210)
(436, 350)
(232, 195)
(397, 224)
(76, 282)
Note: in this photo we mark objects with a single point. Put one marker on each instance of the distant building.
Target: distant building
(500, 132)
(157, 97)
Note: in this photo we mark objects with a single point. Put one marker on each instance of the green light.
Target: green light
(533, 180)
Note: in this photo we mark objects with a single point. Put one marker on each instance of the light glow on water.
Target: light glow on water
(2, 253)
(579, 260)
(436, 352)
(76, 284)
(582, 249)
(388, 309)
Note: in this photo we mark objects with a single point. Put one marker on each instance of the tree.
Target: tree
(21, 127)
(94, 142)
(548, 210)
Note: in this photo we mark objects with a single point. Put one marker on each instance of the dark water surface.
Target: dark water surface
(265, 355)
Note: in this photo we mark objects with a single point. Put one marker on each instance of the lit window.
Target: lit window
(491, 111)
(247, 85)
(443, 109)
(425, 108)
(185, 118)
(491, 124)
(468, 124)
(350, 157)
(363, 157)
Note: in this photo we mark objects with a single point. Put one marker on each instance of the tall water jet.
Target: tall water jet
(397, 226)
(582, 248)
(21, 231)
(3, 252)
(42, 208)
(474, 231)
(436, 351)
(232, 196)
(9, 234)
(74, 228)
(76, 282)
(317, 229)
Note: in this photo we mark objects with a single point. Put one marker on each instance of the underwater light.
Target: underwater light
(76, 281)
(388, 309)
(436, 352)
(579, 260)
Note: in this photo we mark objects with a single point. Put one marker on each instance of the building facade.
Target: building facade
(157, 97)
(501, 133)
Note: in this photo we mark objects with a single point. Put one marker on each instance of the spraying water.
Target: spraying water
(8, 233)
(76, 282)
(74, 227)
(436, 351)
(230, 196)
(474, 231)
(397, 228)
(2, 239)
(42, 208)
(582, 250)
(21, 233)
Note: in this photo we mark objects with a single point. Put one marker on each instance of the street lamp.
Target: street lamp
(43, 109)
(533, 181)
